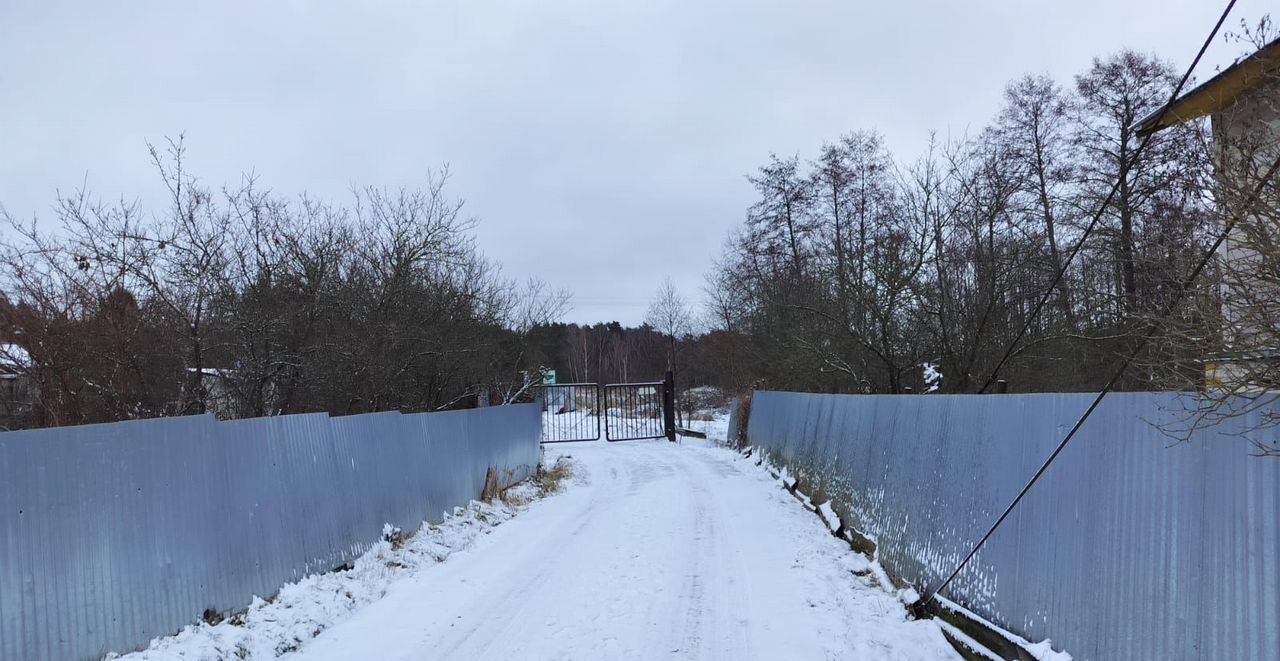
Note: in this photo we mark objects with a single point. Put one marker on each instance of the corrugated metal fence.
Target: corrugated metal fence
(113, 534)
(1132, 546)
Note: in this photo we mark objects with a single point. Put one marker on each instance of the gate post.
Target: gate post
(669, 405)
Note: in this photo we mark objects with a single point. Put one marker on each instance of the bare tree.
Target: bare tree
(1114, 94)
(1033, 127)
(244, 302)
(778, 222)
(534, 306)
(848, 275)
(670, 315)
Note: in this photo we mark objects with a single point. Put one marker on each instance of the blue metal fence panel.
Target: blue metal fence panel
(1132, 546)
(114, 534)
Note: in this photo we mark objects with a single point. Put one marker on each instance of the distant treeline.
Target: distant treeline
(613, 353)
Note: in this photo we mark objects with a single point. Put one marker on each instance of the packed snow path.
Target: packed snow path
(656, 551)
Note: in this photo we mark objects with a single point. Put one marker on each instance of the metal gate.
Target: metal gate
(634, 411)
(631, 411)
(570, 412)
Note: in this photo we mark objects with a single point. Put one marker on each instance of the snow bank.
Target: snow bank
(871, 568)
(829, 516)
(715, 424)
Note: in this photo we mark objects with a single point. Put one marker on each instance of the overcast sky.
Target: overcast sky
(602, 145)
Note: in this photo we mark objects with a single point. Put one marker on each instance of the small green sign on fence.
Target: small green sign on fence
(548, 377)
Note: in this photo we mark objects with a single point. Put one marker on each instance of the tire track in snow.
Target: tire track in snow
(522, 602)
(667, 553)
(723, 566)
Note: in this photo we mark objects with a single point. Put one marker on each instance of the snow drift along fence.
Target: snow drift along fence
(1131, 546)
(113, 534)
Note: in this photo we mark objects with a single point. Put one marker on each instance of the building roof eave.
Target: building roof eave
(1217, 93)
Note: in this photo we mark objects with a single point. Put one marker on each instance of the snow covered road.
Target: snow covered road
(656, 551)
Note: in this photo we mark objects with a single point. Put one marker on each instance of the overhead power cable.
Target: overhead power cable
(1148, 333)
(1106, 202)
(1152, 327)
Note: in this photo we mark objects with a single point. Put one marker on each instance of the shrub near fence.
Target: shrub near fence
(113, 534)
(1132, 546)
